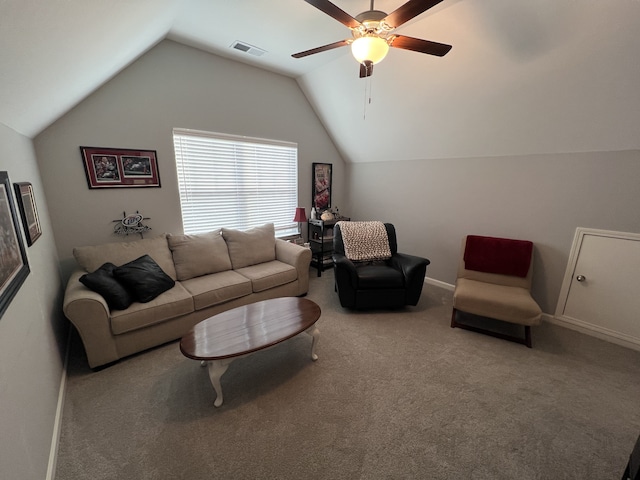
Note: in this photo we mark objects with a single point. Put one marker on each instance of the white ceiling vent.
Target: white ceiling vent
(246, 48)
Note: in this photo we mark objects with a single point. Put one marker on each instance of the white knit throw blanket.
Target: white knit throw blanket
(365, 241)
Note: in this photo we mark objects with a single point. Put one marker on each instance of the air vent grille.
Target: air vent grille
(246, 48)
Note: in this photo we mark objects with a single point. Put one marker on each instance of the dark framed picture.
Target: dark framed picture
(321, 187)
(14, 267)
(120, 167)
(28, 211)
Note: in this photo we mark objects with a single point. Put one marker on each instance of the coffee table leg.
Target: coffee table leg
(315, 334)
(216, 370)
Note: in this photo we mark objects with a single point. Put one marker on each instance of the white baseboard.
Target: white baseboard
(597, 331)
(55, 440)
(573, 324)
(438, 283)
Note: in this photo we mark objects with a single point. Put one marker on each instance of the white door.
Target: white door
(601, 291)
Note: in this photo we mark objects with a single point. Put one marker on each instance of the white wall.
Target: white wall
(542, 198)
(32, 334)
(170, 86)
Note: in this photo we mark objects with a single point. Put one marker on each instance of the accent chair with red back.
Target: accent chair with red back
(494, 282)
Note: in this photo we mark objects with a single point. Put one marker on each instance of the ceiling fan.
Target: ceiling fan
(372, 33)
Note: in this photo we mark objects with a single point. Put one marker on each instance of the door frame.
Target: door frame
(577, 324)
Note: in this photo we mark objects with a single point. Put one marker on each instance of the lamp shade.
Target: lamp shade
(373, 49)
(300, 215)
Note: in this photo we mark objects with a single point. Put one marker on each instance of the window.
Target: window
(235, 182)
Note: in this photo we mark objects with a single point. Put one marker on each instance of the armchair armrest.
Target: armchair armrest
(345, 267)
(409, 264)
(414, 269)
(346, 279)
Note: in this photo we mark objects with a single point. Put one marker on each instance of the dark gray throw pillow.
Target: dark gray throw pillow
(143, 278)
(103, 282)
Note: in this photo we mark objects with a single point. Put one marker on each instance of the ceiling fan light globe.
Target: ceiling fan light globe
(373, 49)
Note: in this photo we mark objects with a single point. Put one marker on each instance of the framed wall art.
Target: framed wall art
(28, 211)
(120, 167)
(321, 187)
(14, 267)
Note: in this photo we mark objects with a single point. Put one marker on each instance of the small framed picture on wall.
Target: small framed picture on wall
(28, 211)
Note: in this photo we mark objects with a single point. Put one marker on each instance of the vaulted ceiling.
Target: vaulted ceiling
(523, 77)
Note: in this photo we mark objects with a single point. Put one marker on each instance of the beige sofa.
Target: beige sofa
(213, 272)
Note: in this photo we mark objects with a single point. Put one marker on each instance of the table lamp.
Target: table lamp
(300, 217)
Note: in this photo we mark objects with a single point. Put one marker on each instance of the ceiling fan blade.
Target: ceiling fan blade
(406, 12)
(323, 48)
(366, 69)
(419, 45)
(330, 9)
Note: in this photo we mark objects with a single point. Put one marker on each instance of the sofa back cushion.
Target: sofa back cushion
(250, 247)
(93, 257)
(197, 255)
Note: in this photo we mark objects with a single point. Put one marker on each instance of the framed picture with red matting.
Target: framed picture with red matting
(120, 167)
(321, 186)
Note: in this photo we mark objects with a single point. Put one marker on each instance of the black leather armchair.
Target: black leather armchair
(381, 284)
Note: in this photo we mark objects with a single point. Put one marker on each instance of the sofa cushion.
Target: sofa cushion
(170, 304)
(143, 278)
(92, 257)
(251, 247)
(103, 282)
(197, 255)
(269, 275)
(217, 288)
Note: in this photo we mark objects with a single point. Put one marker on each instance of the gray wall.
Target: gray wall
(170, 86)
(32, 333)
(542, 198)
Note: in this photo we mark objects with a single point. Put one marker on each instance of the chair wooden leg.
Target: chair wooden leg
(527, 336)
(524, 341)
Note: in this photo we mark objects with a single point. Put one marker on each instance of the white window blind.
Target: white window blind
(235, 182)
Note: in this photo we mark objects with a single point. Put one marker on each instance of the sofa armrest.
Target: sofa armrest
(89, 313)
(299, 258)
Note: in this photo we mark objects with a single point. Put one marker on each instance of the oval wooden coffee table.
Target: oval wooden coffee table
(223, 338)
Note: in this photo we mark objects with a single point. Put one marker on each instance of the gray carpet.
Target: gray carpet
(394, 394)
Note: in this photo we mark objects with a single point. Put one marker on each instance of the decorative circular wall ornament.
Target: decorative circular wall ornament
(132, 220)
(130, 224)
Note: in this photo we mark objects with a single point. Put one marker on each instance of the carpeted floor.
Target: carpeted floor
(394, 394)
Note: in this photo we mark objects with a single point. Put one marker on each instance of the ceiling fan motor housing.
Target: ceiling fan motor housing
(371, 24)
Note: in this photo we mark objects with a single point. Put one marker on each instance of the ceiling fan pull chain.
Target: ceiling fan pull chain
(368, 84)
(364, 105)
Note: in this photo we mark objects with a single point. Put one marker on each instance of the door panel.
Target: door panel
(604, 289)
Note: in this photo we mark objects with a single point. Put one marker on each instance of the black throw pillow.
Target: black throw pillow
(144, 278)
(103, 282)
